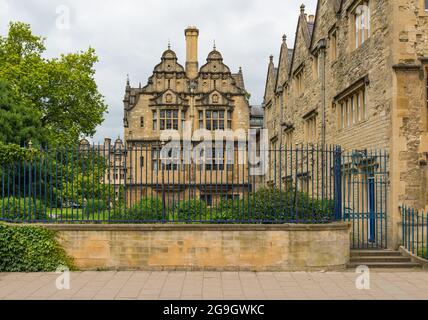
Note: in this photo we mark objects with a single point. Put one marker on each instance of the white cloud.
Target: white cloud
(129, 36)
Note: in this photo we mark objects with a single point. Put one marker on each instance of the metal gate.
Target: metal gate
(364, 182)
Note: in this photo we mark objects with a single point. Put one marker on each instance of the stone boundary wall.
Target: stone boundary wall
(207, 247)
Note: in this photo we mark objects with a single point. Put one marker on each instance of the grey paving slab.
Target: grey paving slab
(385, 284)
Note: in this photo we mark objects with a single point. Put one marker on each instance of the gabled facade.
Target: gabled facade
(175, 94)
(181, 98)
(358, 79)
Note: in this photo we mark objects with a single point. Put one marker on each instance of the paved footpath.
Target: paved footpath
(215, 285)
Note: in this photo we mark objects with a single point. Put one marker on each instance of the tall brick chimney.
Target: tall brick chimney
(192, 65)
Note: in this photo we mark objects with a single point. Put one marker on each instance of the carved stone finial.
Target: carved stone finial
(214, 46)
(284, 38)
(127, 80)
(302, 9)
(169, 44)
(271, 58)
(240, 69)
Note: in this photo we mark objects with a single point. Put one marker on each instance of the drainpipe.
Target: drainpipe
(281, 114)
(322, 54)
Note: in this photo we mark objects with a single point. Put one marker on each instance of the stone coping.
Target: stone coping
(197, 227)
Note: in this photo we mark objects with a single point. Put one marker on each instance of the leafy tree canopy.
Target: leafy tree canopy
(53, 101)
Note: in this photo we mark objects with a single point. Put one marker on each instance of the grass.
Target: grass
(423, 253)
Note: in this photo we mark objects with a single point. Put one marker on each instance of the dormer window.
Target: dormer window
(360, 16)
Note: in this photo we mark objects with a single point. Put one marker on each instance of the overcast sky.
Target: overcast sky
(129, 37)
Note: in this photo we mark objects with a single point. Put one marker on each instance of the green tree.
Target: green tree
(60, 94)
(19, 124)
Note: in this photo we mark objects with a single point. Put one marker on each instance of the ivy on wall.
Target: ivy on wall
(31, 249)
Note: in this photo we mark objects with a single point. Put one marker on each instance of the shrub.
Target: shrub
(95, 206)
(24, 209)
(232, 211)
(30, 249)
(274, 205)
(190, 211)
(147, 210)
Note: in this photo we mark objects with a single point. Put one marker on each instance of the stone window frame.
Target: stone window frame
(311, 127)
(333, 44)
(424, 7)
(226, 120)
(288, 137)
(352, 18)
(352, 105)
(176, 122)
(298, 80)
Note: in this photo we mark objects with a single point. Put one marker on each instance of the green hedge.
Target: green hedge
(272, 204)
(95, 206)
(147, 210)
(30, 249)
(189, 211)
(24, 209)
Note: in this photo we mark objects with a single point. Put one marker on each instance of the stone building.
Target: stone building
(114, 153)
(183, 99)
(356, 76)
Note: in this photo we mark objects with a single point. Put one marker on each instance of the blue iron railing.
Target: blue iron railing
(365, 190)
(414, 230)
(143, 184)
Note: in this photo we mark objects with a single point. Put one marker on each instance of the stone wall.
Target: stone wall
(207, 247)
(393, 61)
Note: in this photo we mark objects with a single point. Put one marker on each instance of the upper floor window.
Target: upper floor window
(168, 119)
(311, 134)
(229, 119)
(183, 119)
(155, 120)
(298, 79)
(361, 23)
(289, 138)
(352, 108)
(215, 119)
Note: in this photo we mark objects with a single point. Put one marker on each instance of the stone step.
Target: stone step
(367, 253)
(367, 259)
(386, 265)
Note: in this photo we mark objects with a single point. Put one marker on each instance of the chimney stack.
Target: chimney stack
(192, 65)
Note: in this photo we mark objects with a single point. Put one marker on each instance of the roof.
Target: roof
(256, 111)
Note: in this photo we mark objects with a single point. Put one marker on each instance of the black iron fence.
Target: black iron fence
(146, 184)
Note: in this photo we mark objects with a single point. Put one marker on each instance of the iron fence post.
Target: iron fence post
(337, 183)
